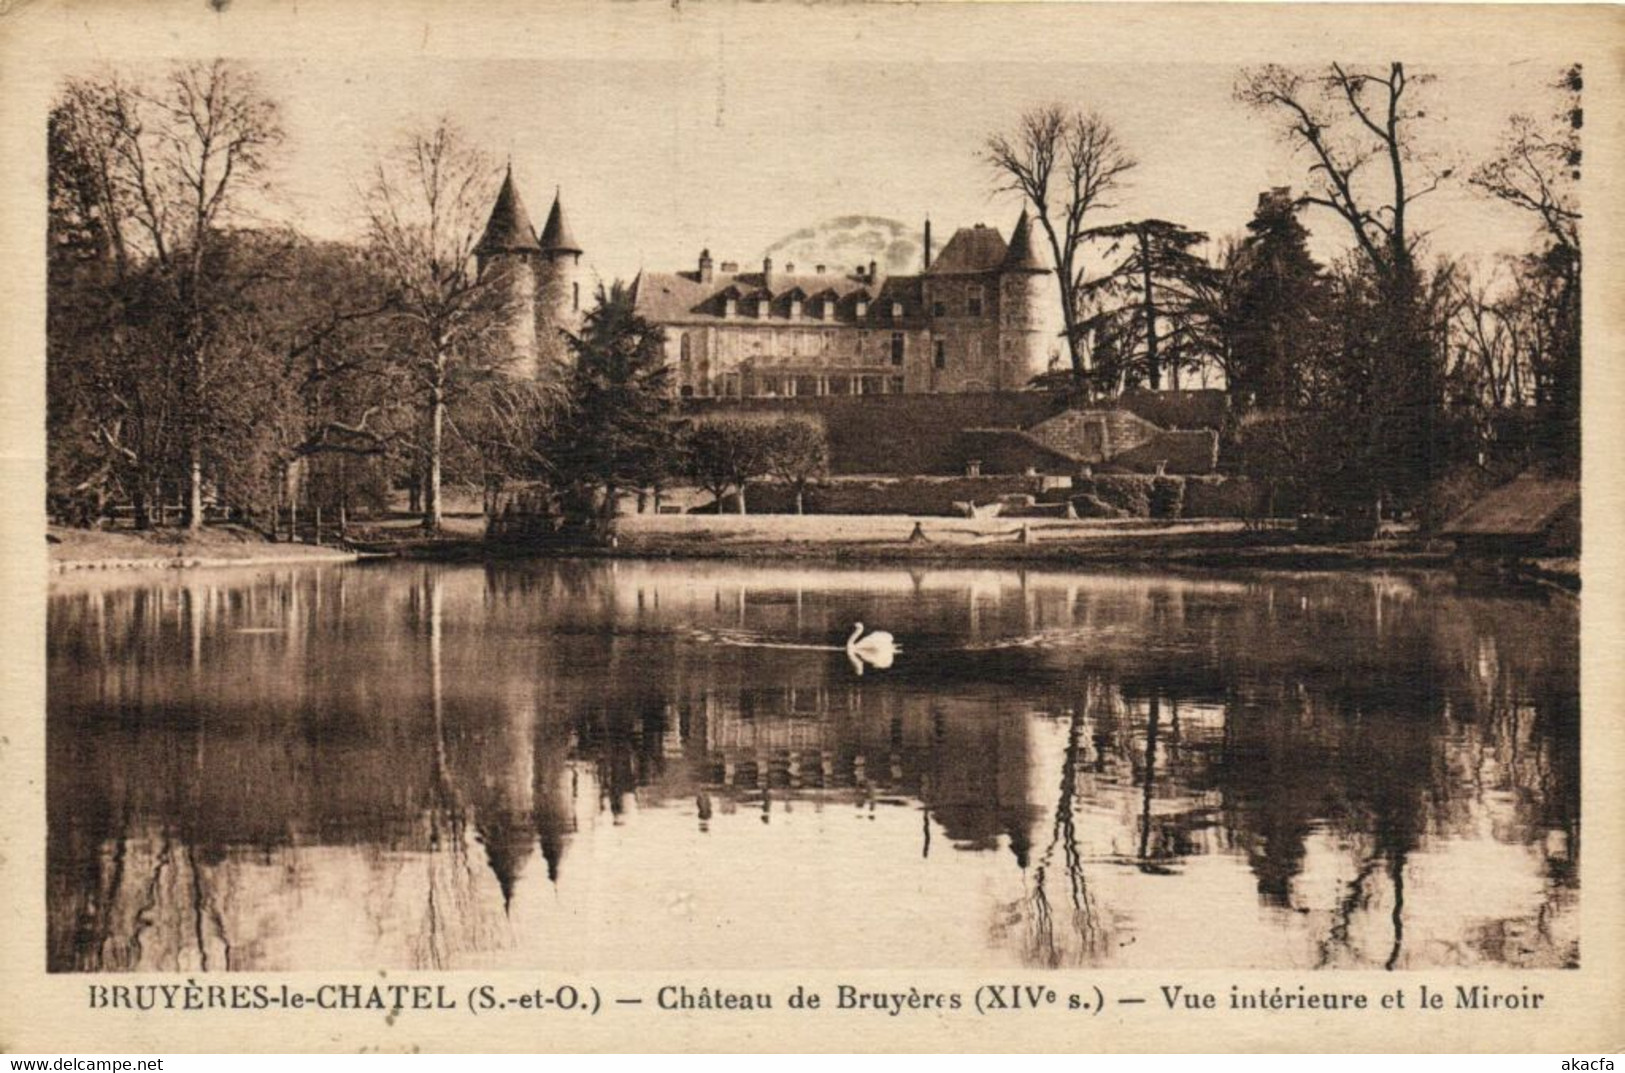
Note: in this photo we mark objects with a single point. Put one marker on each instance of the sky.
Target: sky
(731, 127)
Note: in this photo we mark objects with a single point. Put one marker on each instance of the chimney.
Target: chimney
(1276, 196)
(928, 243)
(874, 271)
(705, 266)
(767, 271)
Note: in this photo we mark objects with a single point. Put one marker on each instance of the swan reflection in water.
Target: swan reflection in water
(877, 650)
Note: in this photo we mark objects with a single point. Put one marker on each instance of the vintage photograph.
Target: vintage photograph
(733, 508)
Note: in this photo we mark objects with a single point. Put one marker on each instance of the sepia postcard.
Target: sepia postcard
(811, 526)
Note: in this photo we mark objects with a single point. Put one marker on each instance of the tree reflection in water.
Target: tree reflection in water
(346, 767)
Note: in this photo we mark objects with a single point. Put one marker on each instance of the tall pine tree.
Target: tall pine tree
(1278, 309)
(1146, 324)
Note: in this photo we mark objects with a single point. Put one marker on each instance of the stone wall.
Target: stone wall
(898, 435)
(907, 495)
(1094, 435)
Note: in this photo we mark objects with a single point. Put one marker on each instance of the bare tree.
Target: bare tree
(424, 207)
(1066, 163)
(1488, 367)
(1537, 170)
(1358, 128)
(1537, 167)
(798, 454)
(166, 167)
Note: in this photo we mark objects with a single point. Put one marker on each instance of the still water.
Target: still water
(602, 765)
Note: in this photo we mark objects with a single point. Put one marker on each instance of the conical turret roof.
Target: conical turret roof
(509, 230)
(1022, 256)
(556, 236)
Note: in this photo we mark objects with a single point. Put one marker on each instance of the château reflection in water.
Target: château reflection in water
(594, 765)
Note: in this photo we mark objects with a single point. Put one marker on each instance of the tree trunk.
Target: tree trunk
(801, 507)
(433, 512)
(741, 497)
(344, 498)
(608, 510)
(1153, 362)
(194, 489)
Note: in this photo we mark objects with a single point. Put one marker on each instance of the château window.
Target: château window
(898, 344)
(973, 306)
(896, 383)
(939, 355)
(896, 310)
(575, 298)
(939, 309)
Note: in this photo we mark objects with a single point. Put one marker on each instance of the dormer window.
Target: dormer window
(863, 308)
(826, 309)
(897, 311)
(795, 309)
(730, 307)
(763, 308)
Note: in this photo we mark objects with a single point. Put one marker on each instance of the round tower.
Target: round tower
(560, 296)
(509, 257)
(1030, 323)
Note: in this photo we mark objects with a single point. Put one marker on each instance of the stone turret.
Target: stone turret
(1030, 323)
(508, 256)
(560, 294)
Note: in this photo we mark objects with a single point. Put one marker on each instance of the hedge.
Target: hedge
(1167, 496)
(1223, 497)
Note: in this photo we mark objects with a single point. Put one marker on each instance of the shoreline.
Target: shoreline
(75, 551)
(314, 557)
(1201, 547)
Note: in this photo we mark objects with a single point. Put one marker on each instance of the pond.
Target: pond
(582, 765)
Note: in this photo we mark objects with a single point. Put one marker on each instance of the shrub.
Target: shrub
(726, 453)
(1090, 506)
(1223, 497)
(1167, 496)
(1453, 493)
(1128, 492)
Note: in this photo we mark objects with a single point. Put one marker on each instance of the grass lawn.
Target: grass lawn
(218, 543)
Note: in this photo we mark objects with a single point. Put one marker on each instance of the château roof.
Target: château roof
(509, 229)
(1527, 506)
(682, 297)
(556, 236)
(972, 249)
(1023, 253)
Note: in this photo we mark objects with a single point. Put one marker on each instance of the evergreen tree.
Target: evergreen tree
(1148, 311)
(1360, 128)
(620, 432)
(1277, 308)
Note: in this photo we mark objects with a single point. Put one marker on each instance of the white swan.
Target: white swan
(878, 649)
